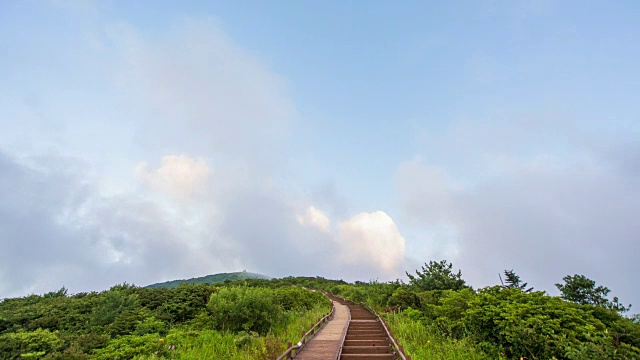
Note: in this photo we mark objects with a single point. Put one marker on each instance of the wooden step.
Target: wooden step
(366, 337)
(365, 331)
(366, 350)
(368, 357)
(365, 326)
(365, 342)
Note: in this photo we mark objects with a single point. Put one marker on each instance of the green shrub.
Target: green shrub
(70, 353)
(131, 346)
(354, 293)
(125, 323)
(292, 298)
(423, 340)
(243, 338)
(413, 314)
(518, 324)
(529, 324)
(184, 303)
(402, 299)
(151, 325)
(244, 308)
(601, 346)
(88, 342)
(32, 344)
(110, 305)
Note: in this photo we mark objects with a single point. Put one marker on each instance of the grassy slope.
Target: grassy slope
(423, 342)
(211, 344)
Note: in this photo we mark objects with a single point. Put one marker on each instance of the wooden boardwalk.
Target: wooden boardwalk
(327, 342)
(366, 337)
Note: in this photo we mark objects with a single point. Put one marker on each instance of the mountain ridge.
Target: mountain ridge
(209, 279)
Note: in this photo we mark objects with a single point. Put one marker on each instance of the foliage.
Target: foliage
(513, 281)
(437, 276)
(131, 346)
(29, 344)
(151, 325)
(423, 340)
(600, 346)
(128, 322)
(56, 294)
(533, 325)
(507, 322)
(435, 316)
(515, 324)
(185, 302)
(293, 298)
(403, 299)
(582, 290)
(244, 309)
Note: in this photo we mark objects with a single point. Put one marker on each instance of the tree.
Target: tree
(56, 294)
(437, 276)
(582, 290)
(513, 281)
(403, 299)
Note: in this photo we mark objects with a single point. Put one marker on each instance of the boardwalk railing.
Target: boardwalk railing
(394, 342)
(344, 335)
(306, 336)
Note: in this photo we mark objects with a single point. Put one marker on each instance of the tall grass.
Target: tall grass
(298, 322)
(423, 341)
(192, 344)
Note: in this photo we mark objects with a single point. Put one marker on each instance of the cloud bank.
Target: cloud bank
(545, 214)
(177, 178)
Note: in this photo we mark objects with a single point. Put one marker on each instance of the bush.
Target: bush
(531, 324)
(110, 305)
(403, 299)
(184, 303)
(32, 344)
(151, 325)
(91, 341)
(520, 324)
(131, 346)
(291, 298)
(243, 308)
(125, 323)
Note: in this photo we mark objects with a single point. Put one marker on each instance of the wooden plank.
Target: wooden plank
(326, 343)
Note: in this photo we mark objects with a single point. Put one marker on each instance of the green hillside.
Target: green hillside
(210, 279)
(436, 315)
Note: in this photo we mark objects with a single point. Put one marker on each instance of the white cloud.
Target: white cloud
(179, 175)
(190, 90)
(373, 240)
(194, 89)
(314, 217)
(542, 215)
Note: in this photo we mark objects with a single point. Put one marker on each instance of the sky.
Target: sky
(155, 140)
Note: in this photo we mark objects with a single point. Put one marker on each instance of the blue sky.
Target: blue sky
(155, 140)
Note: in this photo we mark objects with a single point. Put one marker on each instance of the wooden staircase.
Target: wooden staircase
(365, 338)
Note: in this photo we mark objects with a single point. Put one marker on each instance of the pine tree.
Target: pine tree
(437, 276)
(513, 281)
